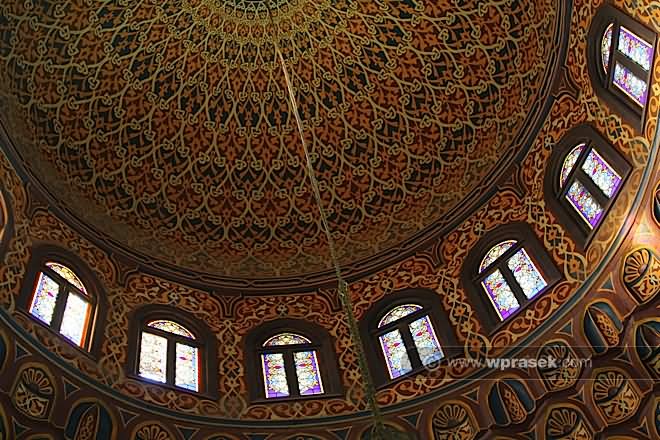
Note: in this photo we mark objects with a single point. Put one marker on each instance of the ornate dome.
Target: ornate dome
(164, 129)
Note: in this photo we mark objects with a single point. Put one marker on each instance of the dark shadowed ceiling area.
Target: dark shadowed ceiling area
(165, 127)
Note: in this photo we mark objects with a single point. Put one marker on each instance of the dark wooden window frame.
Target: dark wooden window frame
(472, 277)
(321, 341)
(602, 80)
(431, 305)
(41, 254)
(575, 225)
(6, 223)
(204, 340)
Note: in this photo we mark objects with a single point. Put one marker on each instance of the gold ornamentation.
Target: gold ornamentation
(33, 392)
(152, 431)
(563, 367)
(454, 421)
(566, 423)
(615, 396)
(641, 274)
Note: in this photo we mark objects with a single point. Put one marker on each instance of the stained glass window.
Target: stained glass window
(606, 46)
(398, 312)
(70, 319)
(425, 340)
(171, 327)
(494, 253)
(153, 357)
(569, 163)
(307, 371)
(293, 354)
(601, 173)
(526, 274)
(630, 84)
(186, 367)
(584, 203)
(635, 48)
(396, 356)
(500, 294)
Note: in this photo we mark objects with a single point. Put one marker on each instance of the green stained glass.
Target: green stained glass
(399, 312)
(171, 327)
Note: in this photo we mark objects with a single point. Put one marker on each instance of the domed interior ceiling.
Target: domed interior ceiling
(165, 124)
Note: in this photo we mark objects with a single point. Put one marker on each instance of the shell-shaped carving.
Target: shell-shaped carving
(454, 420)
(33, 392)
(558, 365)
(602, 326)
(152, 431)
(641, 274)
(647, 345)
(38, 381)
(615, 396)
(510, 402)
(567, 423)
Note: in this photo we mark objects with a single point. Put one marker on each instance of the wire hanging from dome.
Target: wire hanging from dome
(379, 430)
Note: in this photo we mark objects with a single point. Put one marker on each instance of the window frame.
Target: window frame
(204, 341)
(555, 195)
(601, 80)
(326, 358)
(41, 255)
(471, 276)
(431, 306)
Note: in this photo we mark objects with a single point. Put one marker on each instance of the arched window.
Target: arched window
(408, 340)
(404, 333)
(583, 179)
(507, 269)
(290, 366)
(169, 353)
(291, 359)
(61, 301)
(621, 60)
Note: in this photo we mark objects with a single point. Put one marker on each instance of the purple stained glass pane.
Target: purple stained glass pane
(399, 312)
(425, 340)
(606, 46)
(569, 163)
(307, 372)
(67, 274)
(584, 203)
(494, 253)
(630, 84)
(74, 320)
(526, 274)
(635, 48)
(396, 356)
(500, 294)
(601, 173)
(171, 327)
(45, 297)
(286, 339)
(186, 368)
(274, 375)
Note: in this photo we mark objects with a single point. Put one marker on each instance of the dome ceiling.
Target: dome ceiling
(165, 126)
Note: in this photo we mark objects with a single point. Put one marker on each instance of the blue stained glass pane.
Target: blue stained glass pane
(274, 375)
(526, 274)
(398, 362)
(307, 372)
(569, 162)
(45, 297)
(399, 312)
(500, 294)
(606, 46)
(186, 367)
(584, 203)
(425, 340)
(630, 84)
(635, 48)
(601, 173)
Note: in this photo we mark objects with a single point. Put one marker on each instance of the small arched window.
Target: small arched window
(621, 59)
(506, 270)
(61, 301)
(407, 339)
(290, 366)
(584, 177)
(169, 353)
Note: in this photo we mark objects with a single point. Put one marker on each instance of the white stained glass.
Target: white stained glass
(153, 357)
(187, 367)
(75, 318)
(527, 275)
(45, 297)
